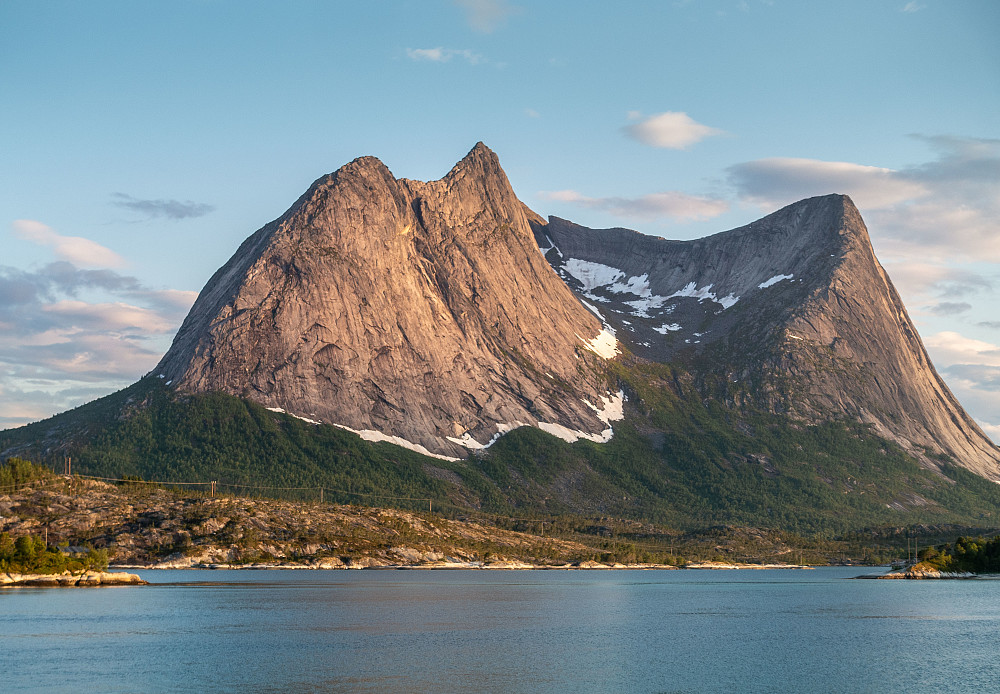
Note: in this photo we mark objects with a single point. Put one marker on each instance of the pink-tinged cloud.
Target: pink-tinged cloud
(953, 348)
(992, 430)
(171, 300)
(944, 210)
(669, 204)
(923, 281)
(58, 349)
(75, 249)
(779, 181)
(109, 317)
(972, 369)
(669, 130)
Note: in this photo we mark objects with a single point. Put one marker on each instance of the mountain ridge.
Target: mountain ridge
(772, 374)
(795, 296)
(385, 305)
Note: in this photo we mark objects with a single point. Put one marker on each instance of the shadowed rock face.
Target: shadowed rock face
(417, 310)
(792, 311)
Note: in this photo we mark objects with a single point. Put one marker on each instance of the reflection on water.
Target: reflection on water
(408, 631)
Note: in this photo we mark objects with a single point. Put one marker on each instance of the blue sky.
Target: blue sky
(141, 142)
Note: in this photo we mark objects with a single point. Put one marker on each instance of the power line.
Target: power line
(233, 485)
(129, 481)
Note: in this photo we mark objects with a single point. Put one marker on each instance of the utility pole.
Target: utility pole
(321, 495)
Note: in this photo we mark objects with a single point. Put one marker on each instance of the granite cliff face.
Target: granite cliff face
(792, 312)
(420, 313)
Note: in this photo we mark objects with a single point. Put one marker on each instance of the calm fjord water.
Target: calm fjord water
(535, 631)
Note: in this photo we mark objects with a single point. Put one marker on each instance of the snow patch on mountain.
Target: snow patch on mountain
(593, 309)
(692, 291)
(774, 280)
(638, 285)
(604, 345)
(378, 436)
(551, 246)
(642, 307)
(370, 435)
(611, 409)
(592, 275)
(290, 414)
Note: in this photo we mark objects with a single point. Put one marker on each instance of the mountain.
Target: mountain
(791, 313)
(765, 376)
(420, 313)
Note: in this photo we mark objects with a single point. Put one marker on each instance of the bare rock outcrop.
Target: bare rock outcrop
(417, 312)
(67, 579)
(793, 312)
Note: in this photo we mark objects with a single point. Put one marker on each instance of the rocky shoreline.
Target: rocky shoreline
(151, 528)
(67, 579)
(372, 563)
(449, 563)
(921, 573)
(735, 566)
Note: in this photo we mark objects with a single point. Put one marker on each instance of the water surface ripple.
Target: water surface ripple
(520, 631)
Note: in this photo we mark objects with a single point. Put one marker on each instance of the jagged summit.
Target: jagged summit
(793, 311)
(419, 312)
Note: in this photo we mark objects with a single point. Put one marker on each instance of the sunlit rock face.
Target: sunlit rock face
(417, 312)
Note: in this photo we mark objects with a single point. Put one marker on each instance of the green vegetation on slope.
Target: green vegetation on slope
(688, 463)
(677, 460)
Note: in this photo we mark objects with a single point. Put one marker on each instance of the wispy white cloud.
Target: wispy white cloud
(669, 130)
(953, 348)
(992, 430)
(946, 208)
(959, 216)
(486, 16)
(669, 204)
(61, 347)
(778, 181)
(972, 369)
(912, 7)
(162, 208)
(925, 281)
(74, 249)
(949, 308)
(444, 55)
(109, 316)
(20, 406)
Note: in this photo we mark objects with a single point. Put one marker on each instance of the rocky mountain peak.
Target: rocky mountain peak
(417, 312)
(793, 310)
(481, 160)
